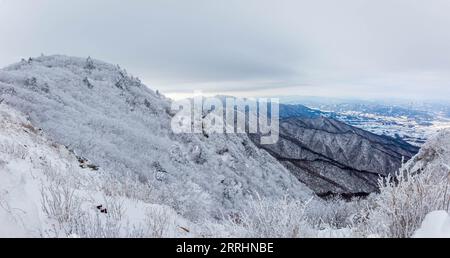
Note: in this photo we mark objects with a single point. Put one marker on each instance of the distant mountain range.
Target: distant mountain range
(411, 121)
(332, 157)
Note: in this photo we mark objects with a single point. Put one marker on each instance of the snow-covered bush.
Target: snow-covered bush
(421, 186)
(157, 224)
(127, 185)
(335, 212)
(60, 203)
(63, 205)
(400, 208)
(271, 218)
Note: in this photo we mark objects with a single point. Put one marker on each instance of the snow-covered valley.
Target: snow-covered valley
(402, 127)
(414, 122)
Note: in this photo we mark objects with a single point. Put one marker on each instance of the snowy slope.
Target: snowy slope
(332, 157)
(45, 193)
(433, 157)
(120, 125)
(435, 225)
(420, 187)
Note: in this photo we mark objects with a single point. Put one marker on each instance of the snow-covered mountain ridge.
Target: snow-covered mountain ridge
(120, 125)
(433, 157)
(332, 157)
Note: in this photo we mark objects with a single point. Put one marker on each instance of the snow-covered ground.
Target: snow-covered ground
(435, 225)
(45, 193)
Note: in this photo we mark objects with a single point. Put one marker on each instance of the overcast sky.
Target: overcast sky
(354, 48)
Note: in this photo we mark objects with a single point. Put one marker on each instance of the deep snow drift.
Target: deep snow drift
(435, 225)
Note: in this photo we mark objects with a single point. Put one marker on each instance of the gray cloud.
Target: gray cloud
(325, 47)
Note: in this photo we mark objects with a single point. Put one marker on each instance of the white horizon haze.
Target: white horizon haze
(350, 48)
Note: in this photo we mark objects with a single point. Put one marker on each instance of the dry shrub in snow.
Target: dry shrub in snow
(335, 212)
(73, 213)
(157, 224)
(401, 207)
(421, 186)
(271, 218)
